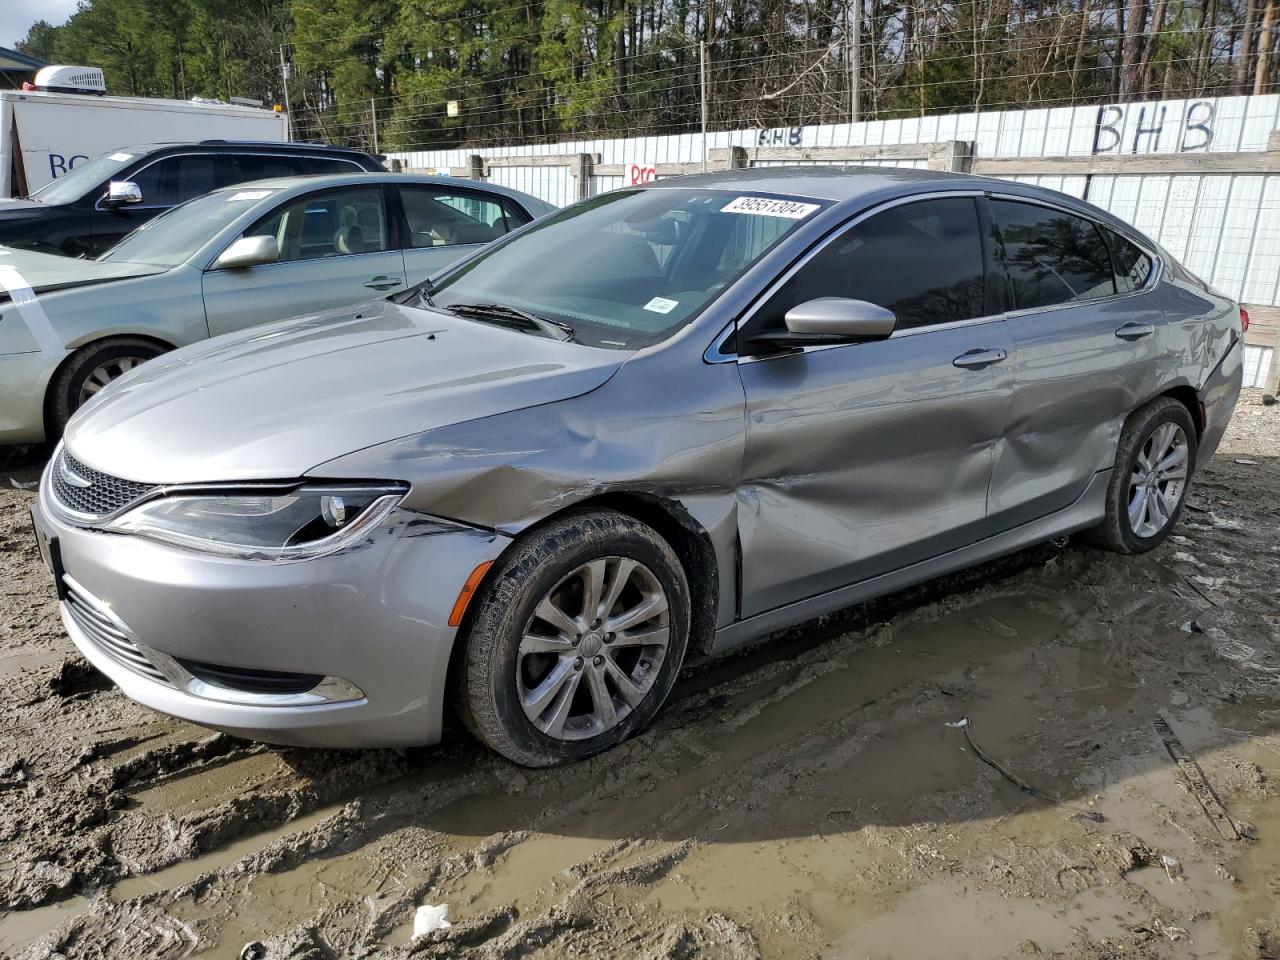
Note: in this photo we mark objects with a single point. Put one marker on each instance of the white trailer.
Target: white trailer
(44, 134)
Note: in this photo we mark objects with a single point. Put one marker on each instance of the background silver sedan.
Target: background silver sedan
(237, 257)
(659, 423)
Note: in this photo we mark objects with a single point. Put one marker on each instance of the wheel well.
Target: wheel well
(686, 537)
(692, 547)
(66, 361)
(1188, 397)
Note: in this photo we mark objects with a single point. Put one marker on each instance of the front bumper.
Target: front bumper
(24, 378)
(372, 619)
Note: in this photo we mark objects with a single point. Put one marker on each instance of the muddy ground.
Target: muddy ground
(806, 799)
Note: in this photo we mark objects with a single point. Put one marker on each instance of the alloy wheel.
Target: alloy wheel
(104, 373)
(593, 648)
(1158, 480)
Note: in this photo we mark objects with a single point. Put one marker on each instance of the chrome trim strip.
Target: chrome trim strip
(713, 355)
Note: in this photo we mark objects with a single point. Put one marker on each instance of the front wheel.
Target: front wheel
(576, 640)
(90, 369)
(1154, 462)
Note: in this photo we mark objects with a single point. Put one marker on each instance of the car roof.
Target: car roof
(859, 186)
(342, 179)
(253, 146)
(838, 183)
(306, 184)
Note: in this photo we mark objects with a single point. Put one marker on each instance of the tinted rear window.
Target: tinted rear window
(1053, 257)
(1133, 267)
(242, 167)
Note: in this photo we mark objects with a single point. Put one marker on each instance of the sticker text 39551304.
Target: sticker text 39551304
(770, 207)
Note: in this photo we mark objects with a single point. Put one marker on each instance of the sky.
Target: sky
(17, 16)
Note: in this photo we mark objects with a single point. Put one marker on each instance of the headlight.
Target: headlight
(298, 524)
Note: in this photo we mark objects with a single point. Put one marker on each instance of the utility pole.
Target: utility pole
(284, 80)
(853, 38)
(373, 114)
(702, 75)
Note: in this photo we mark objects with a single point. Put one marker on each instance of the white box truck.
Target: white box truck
(67, 119)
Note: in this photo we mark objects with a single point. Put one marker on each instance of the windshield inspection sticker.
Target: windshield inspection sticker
(661, 305)
(767, 207)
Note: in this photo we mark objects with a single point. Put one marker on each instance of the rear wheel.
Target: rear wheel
(576, 641)
(1154, 463)
(89, 370)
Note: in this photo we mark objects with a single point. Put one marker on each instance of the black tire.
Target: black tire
(484, 685)
(68, 384)
(1115, 532)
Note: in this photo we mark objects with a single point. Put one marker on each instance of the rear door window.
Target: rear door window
(1133, 267)
(175, 180)
(1052, 256)
(922, 260)
(242, 167)
(438, 218)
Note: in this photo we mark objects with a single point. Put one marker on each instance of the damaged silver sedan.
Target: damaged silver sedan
(656, 425)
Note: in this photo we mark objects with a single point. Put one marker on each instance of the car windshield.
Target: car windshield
(82, 178)
(174, 236)
(626, 269)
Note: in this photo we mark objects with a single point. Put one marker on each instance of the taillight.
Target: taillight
(1244, 320)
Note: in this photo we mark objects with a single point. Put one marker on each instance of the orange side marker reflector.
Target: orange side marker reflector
(468, 591)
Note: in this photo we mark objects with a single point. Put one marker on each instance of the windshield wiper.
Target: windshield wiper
(512, 316)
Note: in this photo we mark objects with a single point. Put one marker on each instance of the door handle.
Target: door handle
(1135, 331)
(978, 358)
(383, 283)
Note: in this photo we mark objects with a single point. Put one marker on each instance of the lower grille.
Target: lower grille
(250, 681)
(108, 632)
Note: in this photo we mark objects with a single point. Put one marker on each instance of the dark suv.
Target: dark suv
(87, 210)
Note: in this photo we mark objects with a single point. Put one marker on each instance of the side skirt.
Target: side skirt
(1088, 509)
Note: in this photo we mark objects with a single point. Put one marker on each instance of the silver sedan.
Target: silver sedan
(659, 423)
(234, 258)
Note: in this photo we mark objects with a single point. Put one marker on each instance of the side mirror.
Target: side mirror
(828, 320)
(121, 193)
(249, 252)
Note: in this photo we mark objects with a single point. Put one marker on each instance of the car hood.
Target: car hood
(12, 205)
(45, 272)
(274, 402)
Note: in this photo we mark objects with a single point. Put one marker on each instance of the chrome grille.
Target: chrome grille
(103, 494)
(107, 631)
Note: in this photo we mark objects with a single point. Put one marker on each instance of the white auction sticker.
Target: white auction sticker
(121, 157)
(249, 195)
(30, 310)
(661, 305)
(769, 207)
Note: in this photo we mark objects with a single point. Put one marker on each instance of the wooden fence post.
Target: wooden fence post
(581, 169)
(951, 155)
